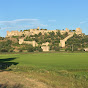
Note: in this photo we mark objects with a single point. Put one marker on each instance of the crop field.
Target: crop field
(48, 70)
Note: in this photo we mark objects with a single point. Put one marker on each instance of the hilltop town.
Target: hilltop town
(45, 46)
(29, 32)
(44, 40)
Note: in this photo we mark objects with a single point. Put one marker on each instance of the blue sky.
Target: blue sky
(50, 14)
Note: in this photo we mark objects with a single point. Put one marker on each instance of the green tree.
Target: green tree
(30, 48)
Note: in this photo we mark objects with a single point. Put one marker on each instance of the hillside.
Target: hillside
(48, 41)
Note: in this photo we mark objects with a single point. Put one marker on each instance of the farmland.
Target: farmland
(54, 70)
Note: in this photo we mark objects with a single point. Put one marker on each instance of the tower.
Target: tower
(78, 31)
(38, 28)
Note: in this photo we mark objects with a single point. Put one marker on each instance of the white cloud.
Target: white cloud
(83, 22)
(19, 20)
(21, 24)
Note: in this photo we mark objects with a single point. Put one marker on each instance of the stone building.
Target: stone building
(45, 46)
(86, 49)
(78, 31)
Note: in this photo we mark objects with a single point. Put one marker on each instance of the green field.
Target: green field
(57, 70)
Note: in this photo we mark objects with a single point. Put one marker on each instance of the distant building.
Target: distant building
(85, 49)
(45, 46)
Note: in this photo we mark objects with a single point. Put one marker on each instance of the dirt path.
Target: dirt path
(10, 78)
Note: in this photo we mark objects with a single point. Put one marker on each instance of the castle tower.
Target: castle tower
(38, 28)
(67, 30)
(78, 31)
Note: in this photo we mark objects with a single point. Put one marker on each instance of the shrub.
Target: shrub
(11, 50)
(4, 50)
(30, 48)
(38, 49)
(57, 48)
(20, 50)
(68, 49)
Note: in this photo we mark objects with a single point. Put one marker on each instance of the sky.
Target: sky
(49, 14)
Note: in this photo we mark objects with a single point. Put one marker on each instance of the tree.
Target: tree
(52, 33)
(4, 50)
(30, 48)
(66, 34)
(73, 30)
(57, 48)
(68, 49)
(23, 35)
(39, 34)
(20, 30)
(58, 33)
(40, 49)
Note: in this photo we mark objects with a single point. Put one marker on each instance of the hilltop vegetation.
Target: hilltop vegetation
(78, 42)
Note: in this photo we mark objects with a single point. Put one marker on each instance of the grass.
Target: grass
(57, 70)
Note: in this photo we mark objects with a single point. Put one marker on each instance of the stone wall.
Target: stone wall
(45, 44)
(33, 43)
(37, 31)
(70, 34)
(13, 33)
(62, 42)
(45, 48)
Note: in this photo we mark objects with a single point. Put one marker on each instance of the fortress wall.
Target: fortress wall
(21, 41)
(67, 30)
(36, 31)
(45, 44)
(45, 48)
(62, 43)
(13, 33)
(31, 32)
(26, 33)
(70, 33)
(33, 43)
(62, 32)
(68, 37)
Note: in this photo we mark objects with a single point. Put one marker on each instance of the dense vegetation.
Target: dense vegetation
(78, 42)
(5, 46)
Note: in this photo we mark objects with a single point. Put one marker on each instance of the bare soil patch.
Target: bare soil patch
(12, 80)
